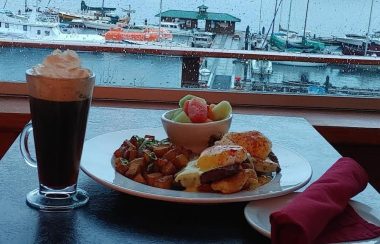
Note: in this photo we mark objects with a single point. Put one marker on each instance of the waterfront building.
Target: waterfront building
(221, 23)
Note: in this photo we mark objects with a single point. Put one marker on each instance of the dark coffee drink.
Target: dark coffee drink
(60, 93)
(59, 128)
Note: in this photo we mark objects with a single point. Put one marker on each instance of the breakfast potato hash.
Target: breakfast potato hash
(149, 161)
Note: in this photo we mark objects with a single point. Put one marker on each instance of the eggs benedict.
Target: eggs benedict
(220, 168)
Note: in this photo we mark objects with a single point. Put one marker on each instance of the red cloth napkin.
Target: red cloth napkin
(321, 213)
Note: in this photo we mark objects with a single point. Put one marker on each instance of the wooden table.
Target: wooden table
(112, 217)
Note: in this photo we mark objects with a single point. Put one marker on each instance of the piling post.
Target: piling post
(190, 71)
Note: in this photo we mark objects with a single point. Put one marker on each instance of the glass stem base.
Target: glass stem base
(56, 201)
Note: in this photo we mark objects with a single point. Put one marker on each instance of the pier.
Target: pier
(222, 69)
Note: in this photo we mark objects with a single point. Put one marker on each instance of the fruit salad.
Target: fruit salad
(194, 109)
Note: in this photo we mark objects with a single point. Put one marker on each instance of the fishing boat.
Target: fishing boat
(35, 29)
(136, 34)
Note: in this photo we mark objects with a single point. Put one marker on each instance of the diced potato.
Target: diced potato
(180, 161)
(164, 182)
(119, 152)
(140, 161)
(149, 156)
(133, 169)
(152, 177)
(132, 154)
(139, 178)
(161, 150)
(170, 155)
(120, 166)
(168, 169)
(161, 162)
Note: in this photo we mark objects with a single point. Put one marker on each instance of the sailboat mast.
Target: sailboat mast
(288, 27)
(304, 27)
(274, 17)
(5, 4)
(103, 8)
(159, 23)
(261, 5)
(369, 27)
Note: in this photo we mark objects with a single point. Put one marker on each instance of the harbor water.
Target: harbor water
(118, 69)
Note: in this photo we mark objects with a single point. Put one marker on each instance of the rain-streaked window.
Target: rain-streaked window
(334, 28)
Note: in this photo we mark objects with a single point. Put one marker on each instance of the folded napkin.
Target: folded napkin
(321, 213)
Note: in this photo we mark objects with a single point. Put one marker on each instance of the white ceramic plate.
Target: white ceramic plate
(98, 152)
(257, 213)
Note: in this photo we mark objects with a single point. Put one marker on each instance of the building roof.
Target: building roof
(182, 14)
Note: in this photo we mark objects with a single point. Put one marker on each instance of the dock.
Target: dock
(222, 69)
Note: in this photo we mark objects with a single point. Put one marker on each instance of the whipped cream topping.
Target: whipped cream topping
(60, 78)
(60, 64)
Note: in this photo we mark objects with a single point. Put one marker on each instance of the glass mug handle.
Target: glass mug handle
(24, 148)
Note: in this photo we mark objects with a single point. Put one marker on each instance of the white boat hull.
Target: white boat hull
(301, 64)
(98, 25)
(32, 29)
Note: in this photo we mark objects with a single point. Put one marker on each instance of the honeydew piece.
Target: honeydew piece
(175, 114)
(221, 111)
(182, 118)
(188, 97)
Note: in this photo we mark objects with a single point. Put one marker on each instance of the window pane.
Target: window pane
(306, 27)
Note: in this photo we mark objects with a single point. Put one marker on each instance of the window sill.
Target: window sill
(322, 118)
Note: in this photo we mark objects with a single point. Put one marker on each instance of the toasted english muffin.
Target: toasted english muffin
(256, 143)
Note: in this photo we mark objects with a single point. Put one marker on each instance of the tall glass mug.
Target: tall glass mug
(59, 108)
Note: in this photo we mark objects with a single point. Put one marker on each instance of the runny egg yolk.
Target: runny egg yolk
(219, 156)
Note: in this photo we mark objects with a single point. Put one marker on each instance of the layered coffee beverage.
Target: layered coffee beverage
(60, 96)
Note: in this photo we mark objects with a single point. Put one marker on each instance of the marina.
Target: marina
(198, 29)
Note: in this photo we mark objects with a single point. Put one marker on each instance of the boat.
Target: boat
(360, 45)
(176, 28)
(104, 23)
(288, 40)
(147, 34)
(102, 9)
(261, 67)
(90, 14)
(294, 43)
(33, 28)
(371, 49)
